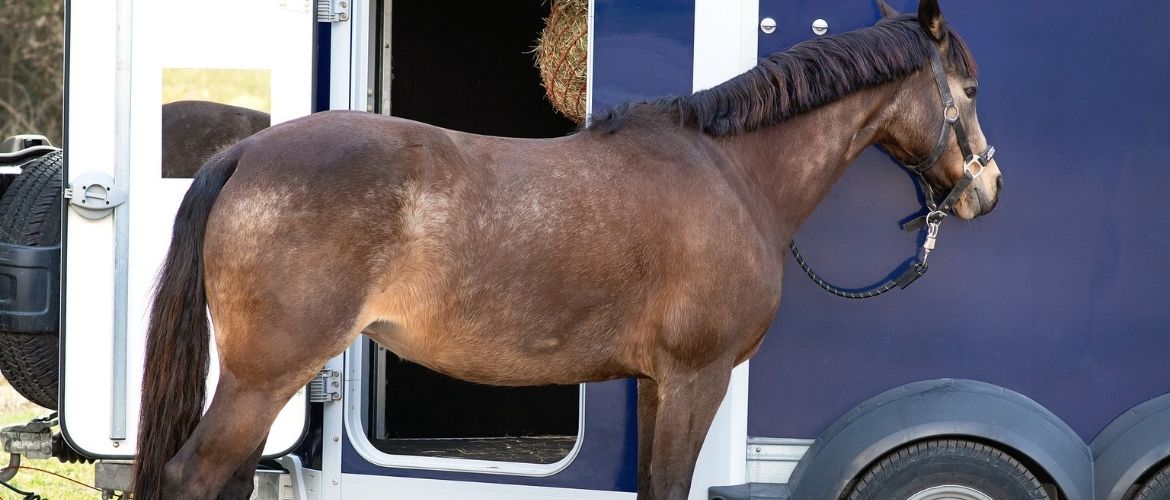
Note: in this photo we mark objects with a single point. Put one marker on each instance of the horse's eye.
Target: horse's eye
(971, 91)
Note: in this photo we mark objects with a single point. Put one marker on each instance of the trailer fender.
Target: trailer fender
(1130, 446)
(944, 408)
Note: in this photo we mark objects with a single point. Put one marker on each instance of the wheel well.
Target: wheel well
(1145, 477)
(933, 409)
(1132, 448)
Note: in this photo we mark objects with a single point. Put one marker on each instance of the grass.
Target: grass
(14, 409)
(248, 88)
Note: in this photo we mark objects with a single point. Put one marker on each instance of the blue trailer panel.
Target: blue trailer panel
(1060, 293)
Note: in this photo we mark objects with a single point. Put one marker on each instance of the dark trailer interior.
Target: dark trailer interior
(465, 66)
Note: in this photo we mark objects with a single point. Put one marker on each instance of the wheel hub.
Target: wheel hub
(950, 492)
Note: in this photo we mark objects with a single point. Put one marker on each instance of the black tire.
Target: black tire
(1156, 487)
(963, 469)
(30, 215)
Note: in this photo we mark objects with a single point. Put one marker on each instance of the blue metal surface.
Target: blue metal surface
(607, 460)
(322, 42)
(1061, 293)
(642, 49)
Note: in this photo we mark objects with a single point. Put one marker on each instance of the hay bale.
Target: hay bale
(562, 56)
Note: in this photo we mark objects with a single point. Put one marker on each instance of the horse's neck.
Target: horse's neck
(795, 163)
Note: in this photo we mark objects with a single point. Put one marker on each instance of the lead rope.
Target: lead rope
(916, 268)
(866, 293)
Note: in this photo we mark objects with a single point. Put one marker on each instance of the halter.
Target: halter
(935, 212)
(950, 119)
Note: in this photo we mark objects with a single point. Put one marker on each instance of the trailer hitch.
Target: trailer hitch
(35, 440)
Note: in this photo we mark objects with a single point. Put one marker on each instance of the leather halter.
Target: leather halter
(951, 119)
(936, 212)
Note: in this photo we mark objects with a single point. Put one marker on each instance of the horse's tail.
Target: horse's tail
(177, 352)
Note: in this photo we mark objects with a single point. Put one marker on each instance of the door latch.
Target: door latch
(94, 195)
(325, 387)
(332, 11)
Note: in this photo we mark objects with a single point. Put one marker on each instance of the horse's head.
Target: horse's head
(933, 127)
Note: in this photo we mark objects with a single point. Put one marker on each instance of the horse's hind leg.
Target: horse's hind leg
(241, 483)
(687, 402)
(259, 373)
(225, 445)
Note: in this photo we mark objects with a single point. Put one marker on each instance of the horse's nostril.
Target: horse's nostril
(998, 182)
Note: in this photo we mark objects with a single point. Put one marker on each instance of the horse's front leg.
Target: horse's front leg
(686, 404)
(647, 413)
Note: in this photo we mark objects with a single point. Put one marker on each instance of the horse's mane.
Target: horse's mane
(808, 75)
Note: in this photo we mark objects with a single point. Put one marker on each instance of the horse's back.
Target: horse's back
(504, 261)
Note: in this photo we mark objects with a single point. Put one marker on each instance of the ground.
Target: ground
(14, 409)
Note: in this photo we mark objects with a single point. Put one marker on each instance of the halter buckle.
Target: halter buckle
(982, 159)
(974, 160)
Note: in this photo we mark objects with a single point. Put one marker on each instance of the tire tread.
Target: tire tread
(1156, 487)
(911, 455)
(30, 215)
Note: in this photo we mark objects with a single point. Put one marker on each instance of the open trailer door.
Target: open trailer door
(124, 63)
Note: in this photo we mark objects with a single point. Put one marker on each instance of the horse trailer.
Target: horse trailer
(1032, 355)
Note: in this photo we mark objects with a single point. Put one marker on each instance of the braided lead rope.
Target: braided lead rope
(865, 293)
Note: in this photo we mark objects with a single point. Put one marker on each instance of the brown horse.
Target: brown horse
(650, 245)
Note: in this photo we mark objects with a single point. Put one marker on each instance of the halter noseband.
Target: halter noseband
(935, 212)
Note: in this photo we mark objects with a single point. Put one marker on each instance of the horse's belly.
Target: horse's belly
(511, 358)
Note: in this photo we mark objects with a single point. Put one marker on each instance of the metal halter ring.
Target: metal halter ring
(951, 113)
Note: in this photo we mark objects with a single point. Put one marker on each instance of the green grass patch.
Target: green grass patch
(248, 88)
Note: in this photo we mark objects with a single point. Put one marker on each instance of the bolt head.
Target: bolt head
(768, 25)
(820, 27)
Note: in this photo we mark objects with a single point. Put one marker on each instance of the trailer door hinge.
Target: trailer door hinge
(94, 195)
(325, 387)
(332, 11)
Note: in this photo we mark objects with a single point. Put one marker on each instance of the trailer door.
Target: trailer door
(125, 59)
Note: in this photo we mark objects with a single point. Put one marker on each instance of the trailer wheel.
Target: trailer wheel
(1157, 487)
(30, 215)
(950, 469)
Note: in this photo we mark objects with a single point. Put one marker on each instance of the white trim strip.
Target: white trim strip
(362, 486)
(725, 46)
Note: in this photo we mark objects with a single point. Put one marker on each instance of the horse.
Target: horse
(193, 131)
(650, 244)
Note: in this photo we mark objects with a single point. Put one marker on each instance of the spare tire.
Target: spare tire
(30, 215)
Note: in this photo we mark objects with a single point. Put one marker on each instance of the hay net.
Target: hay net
(562, 54)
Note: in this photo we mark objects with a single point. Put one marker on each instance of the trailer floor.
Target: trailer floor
(527, 449)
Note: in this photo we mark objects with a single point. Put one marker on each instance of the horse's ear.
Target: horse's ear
(930, 16)
(885, 9)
